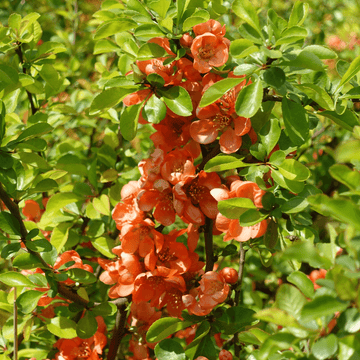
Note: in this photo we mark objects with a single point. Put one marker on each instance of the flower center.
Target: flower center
(206, 52)
(195, 192)
(166, 255)
(222, 120)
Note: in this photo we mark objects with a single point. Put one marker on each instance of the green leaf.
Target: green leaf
(81, 276)
(270, 134)
(109, 98)
(159, 6)
(290, 299)
(249, 99)
(348, 151)
(102, 204)
(274, 77)
(155, 80)
(317, 94)
(201, 331)
(50, 47)
(247, 12)
(292, 35)
(104, 245)
(154, 110)
(8, 76)
(38, 354)
(348, 177)
(59, 236)
(151, 51)
(9, 223)
(325, 347)
(15, 21)
(169, 349)
(12, 278)
(178, 100)
(278, 317)
(129, 121)
(2, 120)
(294, 170)
(60, 200)
(321, 306)
(299, 279)
(321, 52)
(62, 327)
(224, 162)
(87, 326)
(40, 245)
(27, 301)
(241, 48)
(148, 31)
(27, 261)
(164, 327)
(252, 217)
(342, 209)
(305, 60)
(245, 69)
(298, 13)
(294, 205)
(191, 21)
(347, 119)
(353, 69)
(52, 79)
(293, 186)
(233, 208)
(207, 349)
(217, 90)
(32, 131)
(10, 250)
(234, 319)
(296, 122)
(104, 309)
(105, 46)
(112, 27)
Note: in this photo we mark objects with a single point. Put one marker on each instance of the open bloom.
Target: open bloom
(232, 227)
(208, 51)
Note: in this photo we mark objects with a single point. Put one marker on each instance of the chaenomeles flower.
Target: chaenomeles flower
(85, 349)
(232, 227)
(209, 48)
(209, 51)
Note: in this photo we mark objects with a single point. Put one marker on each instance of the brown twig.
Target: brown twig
(15, 326)
(215, 151)
(209, 251)
(119, 332)
(18, 51)
(242, 253)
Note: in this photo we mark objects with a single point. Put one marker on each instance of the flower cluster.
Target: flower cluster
(156, 268)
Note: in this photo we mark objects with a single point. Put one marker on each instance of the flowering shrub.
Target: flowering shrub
(139, 136)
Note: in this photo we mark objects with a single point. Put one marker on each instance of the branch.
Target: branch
(209, 252)
(18, 51)
(208, 156)
(63, 290)
(119, 332)
(237, 294)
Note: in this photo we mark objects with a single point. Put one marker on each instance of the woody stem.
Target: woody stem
(209, 245)
(242, 253)
(119, 332)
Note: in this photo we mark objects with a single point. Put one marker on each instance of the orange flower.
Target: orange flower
(85, 349)
(208, 51)
(161, 198)
(32, 211)
(231, 227)
(211, 26)
(193, 200)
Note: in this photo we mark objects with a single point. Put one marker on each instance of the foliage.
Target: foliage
(136, 137)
